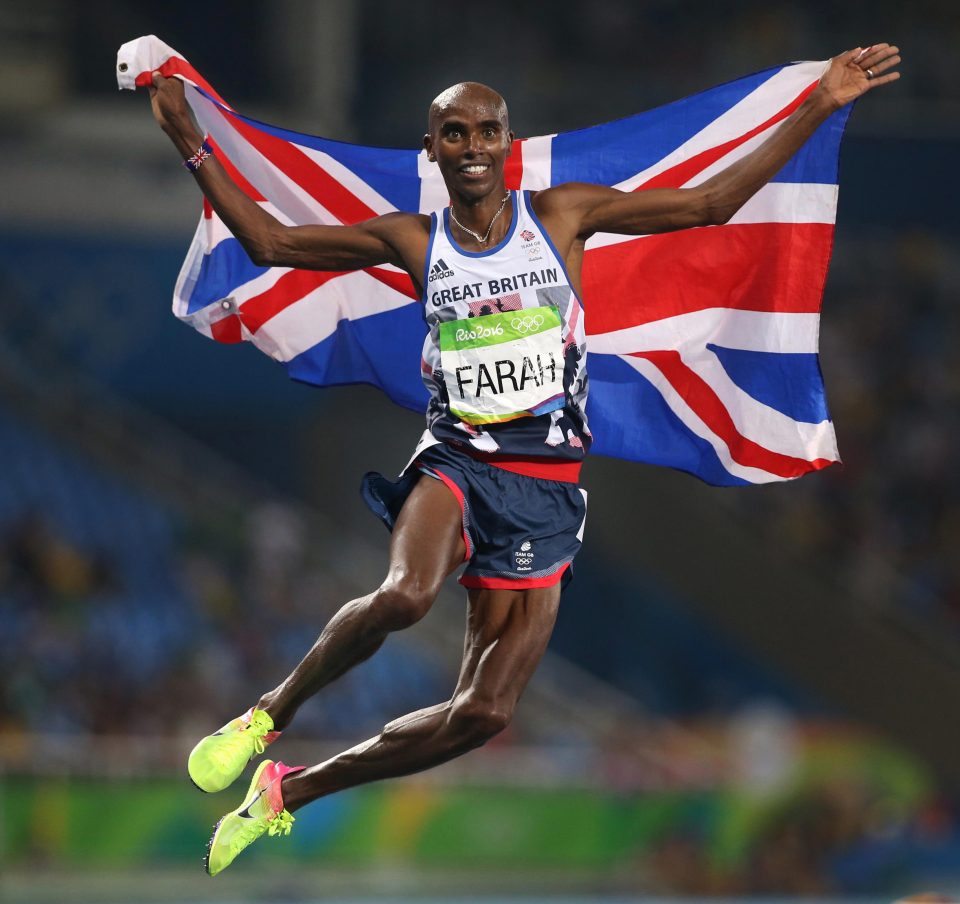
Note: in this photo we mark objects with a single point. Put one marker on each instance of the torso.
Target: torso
(503, 383)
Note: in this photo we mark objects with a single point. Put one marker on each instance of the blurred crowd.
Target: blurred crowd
(120, 617)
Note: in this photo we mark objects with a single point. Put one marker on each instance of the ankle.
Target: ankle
(268, 704)
(290, 789)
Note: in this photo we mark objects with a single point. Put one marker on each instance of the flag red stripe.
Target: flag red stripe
(399, 282)
(296, 284)
(710, 409)
(683, 172)
(176, 66)
(775, 267)
(513, 168)
(287, 290)
(313, 179)
(249, 190)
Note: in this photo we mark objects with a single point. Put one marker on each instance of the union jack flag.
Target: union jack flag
(702, 343)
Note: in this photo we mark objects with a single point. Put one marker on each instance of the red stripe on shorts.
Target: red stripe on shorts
(531, 466)
(475, 581)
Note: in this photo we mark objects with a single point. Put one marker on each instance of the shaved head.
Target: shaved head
(469, 138)
(467, 94)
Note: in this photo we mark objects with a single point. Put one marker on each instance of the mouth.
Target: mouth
(474, 170)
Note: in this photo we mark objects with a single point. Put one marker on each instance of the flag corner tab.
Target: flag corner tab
(140, 55)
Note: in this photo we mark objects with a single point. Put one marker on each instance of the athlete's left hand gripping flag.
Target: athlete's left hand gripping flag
(703, 344)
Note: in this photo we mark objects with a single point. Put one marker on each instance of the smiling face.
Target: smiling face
(470, 139)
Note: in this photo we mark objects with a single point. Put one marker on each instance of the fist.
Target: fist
(170, 108)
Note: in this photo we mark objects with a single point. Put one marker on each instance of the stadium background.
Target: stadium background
(749, 692)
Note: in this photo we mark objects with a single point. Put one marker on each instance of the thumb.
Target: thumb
(157, 79)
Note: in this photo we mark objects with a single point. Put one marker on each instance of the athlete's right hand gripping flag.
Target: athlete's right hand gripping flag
(702, 343)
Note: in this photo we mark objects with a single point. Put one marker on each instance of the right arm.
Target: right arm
(266, 240)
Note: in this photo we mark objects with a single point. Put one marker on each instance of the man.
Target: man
(493, 482)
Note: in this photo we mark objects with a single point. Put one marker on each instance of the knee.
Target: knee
(473, 720)
(400, 604)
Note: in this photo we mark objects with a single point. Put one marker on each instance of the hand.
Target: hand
(852, 74)
(170, 107)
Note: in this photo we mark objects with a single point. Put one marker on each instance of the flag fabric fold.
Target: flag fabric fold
(703, 344)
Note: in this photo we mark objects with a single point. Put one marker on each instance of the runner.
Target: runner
(493, 482)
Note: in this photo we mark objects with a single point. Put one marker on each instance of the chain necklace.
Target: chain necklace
(482, 239)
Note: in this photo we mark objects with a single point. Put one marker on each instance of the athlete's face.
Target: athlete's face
(470, 139)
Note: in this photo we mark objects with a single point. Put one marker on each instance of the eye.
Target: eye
(489, 132)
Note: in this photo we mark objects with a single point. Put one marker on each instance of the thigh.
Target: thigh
(507, 635)
(427, 540)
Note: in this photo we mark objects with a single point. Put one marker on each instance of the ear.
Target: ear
(510, 137)
(428, 147)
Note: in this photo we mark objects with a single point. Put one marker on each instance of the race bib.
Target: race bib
(499, 367)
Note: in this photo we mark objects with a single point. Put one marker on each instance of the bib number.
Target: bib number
(499, 367)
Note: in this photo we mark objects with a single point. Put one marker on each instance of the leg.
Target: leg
(426, 546)
(507, 633)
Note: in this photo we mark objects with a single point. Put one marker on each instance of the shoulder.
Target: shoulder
(568, 197)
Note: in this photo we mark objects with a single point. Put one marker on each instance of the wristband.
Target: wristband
(202, 153)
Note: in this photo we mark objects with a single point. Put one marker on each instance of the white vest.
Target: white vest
(505, 356)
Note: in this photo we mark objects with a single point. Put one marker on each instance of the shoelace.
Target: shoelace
(260, 726)
(224, 755)
(281, 824)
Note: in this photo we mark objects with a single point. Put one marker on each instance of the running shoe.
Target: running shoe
(261, 811)
(218, 759)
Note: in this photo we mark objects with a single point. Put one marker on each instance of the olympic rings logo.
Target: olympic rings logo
(527, 324)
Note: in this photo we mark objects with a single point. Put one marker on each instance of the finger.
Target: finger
(884, 65)
(857, 52)
(883, 80)
(880, 52)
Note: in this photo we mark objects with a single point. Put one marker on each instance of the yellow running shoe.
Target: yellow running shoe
(261, 811)
(218, 759)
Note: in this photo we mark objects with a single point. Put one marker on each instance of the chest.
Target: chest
(522, 271)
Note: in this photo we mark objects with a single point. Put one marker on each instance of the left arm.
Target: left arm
(593, 208)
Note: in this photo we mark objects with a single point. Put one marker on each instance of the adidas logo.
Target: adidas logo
(440, 270)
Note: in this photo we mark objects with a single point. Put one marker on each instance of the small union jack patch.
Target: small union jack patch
(196, 161)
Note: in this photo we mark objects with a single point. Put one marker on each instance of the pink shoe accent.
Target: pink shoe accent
(269, 737)
(270, 780)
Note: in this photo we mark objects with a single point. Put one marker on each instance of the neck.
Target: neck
(477, 215)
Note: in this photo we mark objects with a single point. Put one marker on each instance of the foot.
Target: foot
(218, 759)
(261, 811)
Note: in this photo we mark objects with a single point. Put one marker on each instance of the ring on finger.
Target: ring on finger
(869, 73)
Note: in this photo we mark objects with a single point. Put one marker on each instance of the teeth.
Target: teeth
(475, 170)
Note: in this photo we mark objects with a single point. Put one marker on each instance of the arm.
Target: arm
(263, 237)
(593, 208)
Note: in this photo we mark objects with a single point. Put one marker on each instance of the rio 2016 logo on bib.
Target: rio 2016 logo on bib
(499, 367)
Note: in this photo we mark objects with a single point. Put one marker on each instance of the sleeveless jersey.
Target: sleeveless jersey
(504, 360)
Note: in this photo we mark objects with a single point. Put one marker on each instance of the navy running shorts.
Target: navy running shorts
(519, 531)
